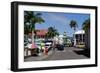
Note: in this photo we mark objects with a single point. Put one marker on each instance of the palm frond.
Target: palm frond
(86, 24)
(73, 24)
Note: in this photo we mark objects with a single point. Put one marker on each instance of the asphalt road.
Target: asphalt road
(67, 54)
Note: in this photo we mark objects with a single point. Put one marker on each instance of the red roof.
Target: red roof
(41, 32)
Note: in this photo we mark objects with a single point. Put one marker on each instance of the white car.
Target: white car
(48, 45)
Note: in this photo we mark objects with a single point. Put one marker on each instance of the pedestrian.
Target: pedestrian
(72, 43)
(46, 51)
(42, 46)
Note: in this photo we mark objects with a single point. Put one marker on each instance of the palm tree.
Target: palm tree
(86, 24)
(73, 24)
(27, 28)
(65, 37)
(65, 34)
(52, 32)
(32, 18)
(86, 28)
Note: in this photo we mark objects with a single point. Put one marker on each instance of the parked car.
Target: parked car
(69, 42)
(48, 44)
(39, 44)
(60, 47)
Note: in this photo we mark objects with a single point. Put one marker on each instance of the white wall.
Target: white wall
(5, 17)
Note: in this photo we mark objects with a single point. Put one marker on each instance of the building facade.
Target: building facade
(79, 38)
(41, 33)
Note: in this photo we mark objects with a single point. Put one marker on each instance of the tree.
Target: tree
(27, 28)
(65, 37)
(65, 34)
(52, 32)
(32, 18)
(73, 24)
(86, 28)
(86, 24)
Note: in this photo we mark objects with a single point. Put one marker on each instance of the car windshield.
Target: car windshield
(48, 41)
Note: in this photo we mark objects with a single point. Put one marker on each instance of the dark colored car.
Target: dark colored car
(60, 47)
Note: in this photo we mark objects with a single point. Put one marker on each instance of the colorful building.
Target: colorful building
(41, 33)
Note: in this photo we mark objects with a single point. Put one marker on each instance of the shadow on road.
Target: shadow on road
(83, 52)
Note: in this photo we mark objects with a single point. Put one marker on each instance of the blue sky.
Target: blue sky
(61, 21)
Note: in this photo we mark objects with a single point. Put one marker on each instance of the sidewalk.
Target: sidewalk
(39, 58)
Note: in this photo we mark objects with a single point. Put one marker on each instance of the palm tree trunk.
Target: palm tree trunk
(32, 36)
(33, 29)
(74, 37)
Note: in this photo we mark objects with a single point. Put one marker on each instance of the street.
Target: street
(67, 54)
